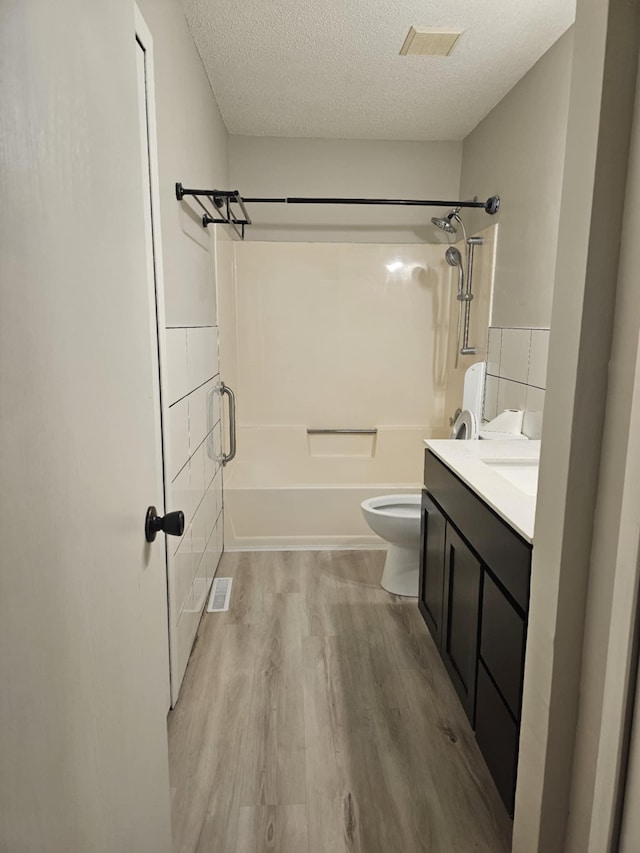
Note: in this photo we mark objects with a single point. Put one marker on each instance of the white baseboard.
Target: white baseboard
(303, 543)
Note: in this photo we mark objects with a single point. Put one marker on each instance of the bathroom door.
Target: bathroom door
(146, 121)
(188, 361)
(83, 629)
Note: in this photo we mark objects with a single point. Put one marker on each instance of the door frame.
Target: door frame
(155, 283)
(620, 711)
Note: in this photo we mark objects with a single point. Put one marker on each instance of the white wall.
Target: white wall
(192, 148)
(517, 151)
(266, 166)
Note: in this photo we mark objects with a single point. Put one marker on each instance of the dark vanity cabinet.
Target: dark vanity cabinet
(474, 597)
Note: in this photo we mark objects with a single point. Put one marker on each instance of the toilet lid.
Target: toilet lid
(465, 427)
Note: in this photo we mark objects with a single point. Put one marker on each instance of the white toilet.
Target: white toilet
(467, 423)
(396, 518)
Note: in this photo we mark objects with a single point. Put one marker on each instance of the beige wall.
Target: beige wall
(517, 151)
(265, 166)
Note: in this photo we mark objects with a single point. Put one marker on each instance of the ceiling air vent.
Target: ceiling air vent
(429, 41)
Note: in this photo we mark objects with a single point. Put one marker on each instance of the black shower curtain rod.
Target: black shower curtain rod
(223, 199)
(491, 205)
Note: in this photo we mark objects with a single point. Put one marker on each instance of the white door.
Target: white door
(188, 350)
(83, 629)
(154, 283)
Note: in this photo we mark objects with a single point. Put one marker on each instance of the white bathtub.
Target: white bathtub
(285, 492)
(298, 517)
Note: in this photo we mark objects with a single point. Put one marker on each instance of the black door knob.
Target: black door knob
(172, 523)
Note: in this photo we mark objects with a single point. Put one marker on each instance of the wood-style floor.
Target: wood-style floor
(317, 717)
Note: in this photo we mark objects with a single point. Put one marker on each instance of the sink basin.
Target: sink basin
(521, 473)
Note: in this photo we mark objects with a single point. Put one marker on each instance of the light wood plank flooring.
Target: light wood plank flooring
(317, 717)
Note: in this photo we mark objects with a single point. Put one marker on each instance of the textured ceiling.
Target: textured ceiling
(331, 69)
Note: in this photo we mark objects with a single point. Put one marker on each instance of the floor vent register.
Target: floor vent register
(220, 595)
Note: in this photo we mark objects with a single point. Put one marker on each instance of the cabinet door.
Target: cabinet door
(432, 545)
(497, 736)
(460, 624)
(502, 638)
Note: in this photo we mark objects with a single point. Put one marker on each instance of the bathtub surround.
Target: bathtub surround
(333, 336)
(517, 375)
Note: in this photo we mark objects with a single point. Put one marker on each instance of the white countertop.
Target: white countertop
(491, 470)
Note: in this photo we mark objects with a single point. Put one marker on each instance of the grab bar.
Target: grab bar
(227, 457)
(373, 431)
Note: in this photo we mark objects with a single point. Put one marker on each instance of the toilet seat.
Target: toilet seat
(400, 506)
(465, 426)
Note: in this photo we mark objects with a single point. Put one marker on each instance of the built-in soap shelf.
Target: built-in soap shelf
(327, 442)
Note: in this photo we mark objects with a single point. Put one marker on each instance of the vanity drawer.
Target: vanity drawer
(499, 546)
(497, 736)
(502, 638)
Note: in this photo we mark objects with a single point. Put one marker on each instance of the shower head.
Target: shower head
(447, 225)
(453, 257)
(444, 224)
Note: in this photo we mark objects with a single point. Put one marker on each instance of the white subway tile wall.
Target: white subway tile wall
(511, 395)
(493, 351)
(490, 398)
(514, 354)
(194, 468)
(516, 375)
(532, 422)
(179, 436)
(538, 358)
(176, 351)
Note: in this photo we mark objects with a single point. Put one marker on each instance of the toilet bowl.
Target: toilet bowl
(396, 518)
